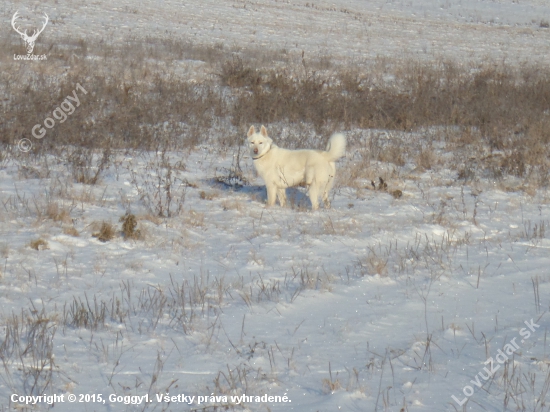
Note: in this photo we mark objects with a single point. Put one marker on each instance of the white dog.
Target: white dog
(281, 168)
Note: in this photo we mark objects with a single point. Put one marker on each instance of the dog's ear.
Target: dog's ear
(263, 131)
(251, 131)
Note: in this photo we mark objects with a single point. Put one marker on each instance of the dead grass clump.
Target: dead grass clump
(373, 264)
(514, 164)
(39, 244)
(81, 314)
(129, 224)
(71, 231)
(466, 173)
(194, 219)
(58, 213)
(32, 172)
(161, 188)
(207, 195)
(397, 194)
(388, 149)
(151, 218)
(330, 384)
(235, 74)
(84, 169)
(106, 232)
(392, 154)
(425, 159)
(338, 227)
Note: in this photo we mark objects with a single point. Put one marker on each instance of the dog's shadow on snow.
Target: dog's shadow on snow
(295, 197)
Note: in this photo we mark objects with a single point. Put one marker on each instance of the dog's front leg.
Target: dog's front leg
(281, 194)
(326, 200)
(271, 194)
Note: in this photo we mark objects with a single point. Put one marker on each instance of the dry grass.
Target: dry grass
(331, 385)
(160, 188)
(151, 218)
(129, 224)
(397, 193)
(39, 244)
(85, 167)
(495, 108)
(207, 195)
(106, 232)
(58, 213)
(425, 159)
(194, 218)
(71, 231)
(28, 351)
(232, 205)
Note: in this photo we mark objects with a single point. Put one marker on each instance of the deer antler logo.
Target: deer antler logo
(29, 40)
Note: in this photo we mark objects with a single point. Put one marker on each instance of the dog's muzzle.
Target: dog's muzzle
(255, 152)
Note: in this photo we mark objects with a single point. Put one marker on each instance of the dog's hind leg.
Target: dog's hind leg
(313, 192)
(281, 194)
(326, 200)
(326, 192)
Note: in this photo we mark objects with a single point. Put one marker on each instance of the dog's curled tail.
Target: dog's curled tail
(336, 147)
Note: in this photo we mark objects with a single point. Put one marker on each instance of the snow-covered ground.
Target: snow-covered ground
(381, 303)
(501, 30)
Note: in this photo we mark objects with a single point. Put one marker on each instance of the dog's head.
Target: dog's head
(259, 143)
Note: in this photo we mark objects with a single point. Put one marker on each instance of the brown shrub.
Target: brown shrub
(58, 213)
(131, 103)
(129, 224)
(106, 232)
(38, 244)
(235, 74)
(71, 231)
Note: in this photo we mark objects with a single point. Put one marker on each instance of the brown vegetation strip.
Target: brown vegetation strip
(131, 104)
